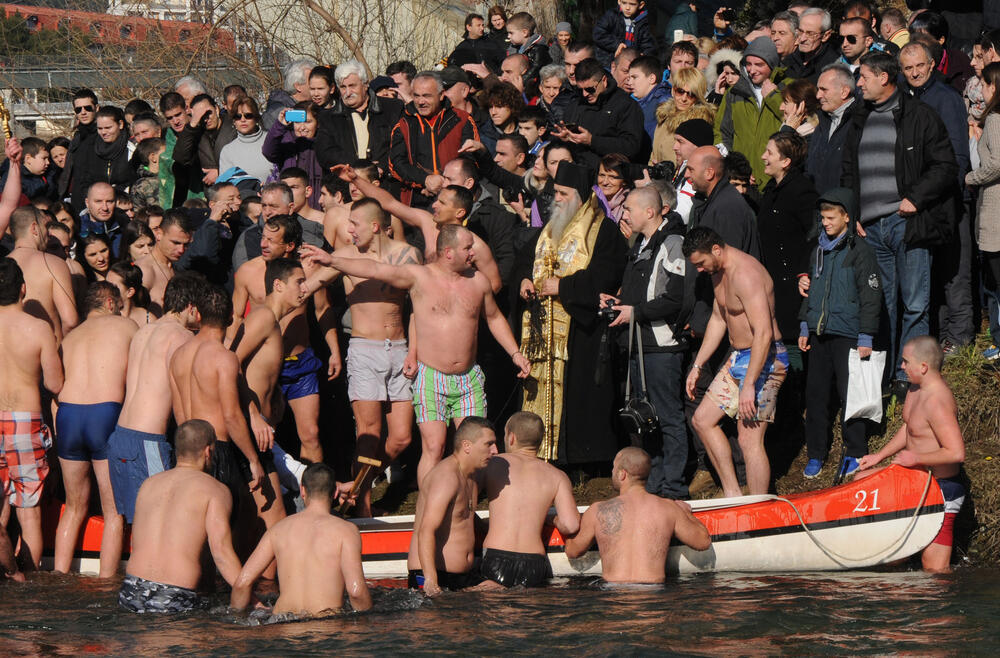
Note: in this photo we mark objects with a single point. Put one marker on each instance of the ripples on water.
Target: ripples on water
(839, 613)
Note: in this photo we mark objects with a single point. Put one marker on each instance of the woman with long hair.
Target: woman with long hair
(137, 241)
(688, 102)
(135, 298)
(95, 254)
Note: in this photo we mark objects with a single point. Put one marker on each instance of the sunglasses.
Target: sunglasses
(849, 38)
(684, 92)
(83, 108)
(590, 91)
(248, 115)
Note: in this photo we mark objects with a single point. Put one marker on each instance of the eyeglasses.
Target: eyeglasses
(590, 91)
(248, 115)
(849, 38)
(684, 92)
(83, 108)
(810, 33)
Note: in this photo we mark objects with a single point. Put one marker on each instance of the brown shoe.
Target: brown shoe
(702, 480)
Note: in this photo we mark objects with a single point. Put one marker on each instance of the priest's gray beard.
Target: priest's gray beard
(561, 214)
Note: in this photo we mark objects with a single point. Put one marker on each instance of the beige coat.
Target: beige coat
(668, 117)
(987, 177)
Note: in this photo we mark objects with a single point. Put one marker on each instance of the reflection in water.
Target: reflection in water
(747, 614)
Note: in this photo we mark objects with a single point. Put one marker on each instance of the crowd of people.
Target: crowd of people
(531, 236)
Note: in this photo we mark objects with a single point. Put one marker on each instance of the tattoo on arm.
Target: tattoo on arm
(609, 515)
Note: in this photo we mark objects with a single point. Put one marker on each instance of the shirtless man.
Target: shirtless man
(318, 555)
(204, 383)
(297, 181)
(138, 447)
(95, 356)
(10, 199)
(634, 530)
(929, 438)
(451, 207)
(444, 533)
(28, 361)
(176, 514)
(336, 199)
(521, 488)
(449, 296)
(744, 306)
(281, 237)
(47, 279)
(60, 240)
(378, 381)
(172, 238)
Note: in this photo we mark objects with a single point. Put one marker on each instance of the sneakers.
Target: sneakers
(812, 469)
(992, 353)
(848, 466)
(948, 348)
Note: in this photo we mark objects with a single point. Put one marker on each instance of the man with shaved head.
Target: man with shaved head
(633, 531)
(718, 205)
(513, 69)
(930, 437)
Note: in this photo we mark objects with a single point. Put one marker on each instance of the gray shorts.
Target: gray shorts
(375, 371)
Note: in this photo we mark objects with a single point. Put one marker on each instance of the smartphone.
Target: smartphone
(728, 15)
(295, 116)
(678, 35)
(572, 127)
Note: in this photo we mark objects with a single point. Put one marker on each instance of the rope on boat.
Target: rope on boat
(839, 558)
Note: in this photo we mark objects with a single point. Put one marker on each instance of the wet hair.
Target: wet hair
(145, 149)
(470, 429)
(335, 185)
(98, 293)
(171, 101)
(176, 217)
(85, 93)
(33, 146)
(522, 20)
(192, 437)
(928, 350)
(132, 278)
(634, 461)
(647, 65)
(81, 251)
(880, 62)
(11, 280)
(319, 481)
(130, 235)
(801, 90)
(215, 306)
(291, 230)
(183, 290)
(22, 219)
(527, 427)
(702, 239)
(462, 197)
(448, 236)
(402, 66)
(280, 269)
(294, 173)
(589, 69)
(378, 214)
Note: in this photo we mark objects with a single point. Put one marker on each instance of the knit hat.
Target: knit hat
(697, 131)
(564, 27)
(764, 48)
(576, 176)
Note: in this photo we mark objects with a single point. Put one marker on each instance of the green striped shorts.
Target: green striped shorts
(439, 396)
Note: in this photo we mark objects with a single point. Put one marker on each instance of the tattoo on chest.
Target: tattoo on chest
(610, 517)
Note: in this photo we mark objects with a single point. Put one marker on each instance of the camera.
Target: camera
(728, 15)
(607, 313)
(663, 170)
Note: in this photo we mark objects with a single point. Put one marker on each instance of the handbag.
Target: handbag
(638, 415)
(864, 386)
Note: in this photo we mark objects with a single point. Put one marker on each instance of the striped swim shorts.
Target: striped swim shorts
(24, 438)
(439, 396)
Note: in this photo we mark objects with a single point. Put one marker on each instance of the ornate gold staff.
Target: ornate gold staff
(5, 120)
(550, 263)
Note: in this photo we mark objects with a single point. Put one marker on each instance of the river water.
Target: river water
(723, 614)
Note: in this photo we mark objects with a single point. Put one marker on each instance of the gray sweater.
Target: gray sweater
(879, 194)
(245, 152)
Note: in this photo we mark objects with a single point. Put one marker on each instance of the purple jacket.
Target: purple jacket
(284, 149)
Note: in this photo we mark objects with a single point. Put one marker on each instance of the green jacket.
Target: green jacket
(744, 127)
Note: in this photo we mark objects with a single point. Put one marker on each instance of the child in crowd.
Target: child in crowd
(532, 123)
(841, 313)
(146, 160)
(35, 183)
(621, 28)
(525, 41)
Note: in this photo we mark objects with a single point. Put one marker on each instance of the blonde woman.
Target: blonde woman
(688, 102)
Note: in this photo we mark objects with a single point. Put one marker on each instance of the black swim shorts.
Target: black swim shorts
(142, 596)
(516, 569)
(446, 579)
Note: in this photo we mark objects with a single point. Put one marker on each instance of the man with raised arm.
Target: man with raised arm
(930, 437)
(176, 513)
(451, 207)
(48, 285)
(521, 488)
(746, 387)
(138, 447)
(378, 378)
(444, 532)
(95, 356)
(449, 295)
(318, 555)
(633, 531)
(28, 361)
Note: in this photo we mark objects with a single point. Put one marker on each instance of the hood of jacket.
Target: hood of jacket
(764, 48)
(718, 57)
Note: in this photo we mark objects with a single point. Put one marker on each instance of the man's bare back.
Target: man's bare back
(28, 357)
(744, 279)
(197, 371)
(49, 294)
(147, 405)
(92, 358)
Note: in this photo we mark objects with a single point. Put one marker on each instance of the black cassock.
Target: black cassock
(588, 414)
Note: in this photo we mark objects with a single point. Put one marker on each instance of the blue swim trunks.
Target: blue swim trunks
(299, 375)
(132, 457)
(725, 388)
(82, 430)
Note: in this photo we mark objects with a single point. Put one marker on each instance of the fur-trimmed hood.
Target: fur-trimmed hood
(719, 56)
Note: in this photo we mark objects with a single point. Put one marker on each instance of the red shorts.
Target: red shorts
(24, 438)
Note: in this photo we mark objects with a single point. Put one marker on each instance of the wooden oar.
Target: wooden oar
(369, 463)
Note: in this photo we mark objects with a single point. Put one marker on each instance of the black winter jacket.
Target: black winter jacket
(100, 162)
(336, 143)
(495, 225)
(609, 32)
(926, 169)
(824, 163)
(616, 123)
(845, 296)
(799, 66)
(199, 147)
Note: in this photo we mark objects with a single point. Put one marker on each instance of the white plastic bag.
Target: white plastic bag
(864, 386)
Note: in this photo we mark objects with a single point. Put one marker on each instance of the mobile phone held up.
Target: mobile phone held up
(295, 116)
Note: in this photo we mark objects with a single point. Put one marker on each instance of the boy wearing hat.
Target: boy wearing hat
(839, 314)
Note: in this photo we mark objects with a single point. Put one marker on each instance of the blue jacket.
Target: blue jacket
(950, 107)
(845, 293)
(659, 94)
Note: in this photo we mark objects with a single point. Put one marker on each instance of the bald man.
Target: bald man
(718, 205)
(99, 216)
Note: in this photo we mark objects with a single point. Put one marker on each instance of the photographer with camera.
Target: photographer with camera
(654, 301)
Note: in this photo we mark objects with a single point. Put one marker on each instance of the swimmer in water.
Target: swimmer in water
(318, 555)
(521, 488)
(444, 533)
(930, 437)
(633, 531)
(176, 513)
(95, 356)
